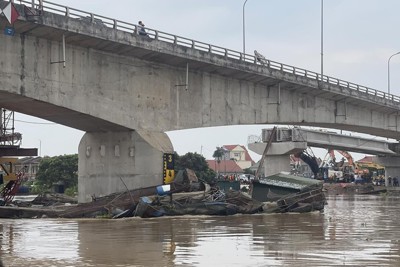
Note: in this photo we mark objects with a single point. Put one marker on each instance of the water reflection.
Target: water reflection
(353, 230)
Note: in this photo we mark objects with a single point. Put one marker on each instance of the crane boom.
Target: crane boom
(272, 136)
(347, 156)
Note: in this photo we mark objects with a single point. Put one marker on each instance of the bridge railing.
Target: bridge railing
(201, 46)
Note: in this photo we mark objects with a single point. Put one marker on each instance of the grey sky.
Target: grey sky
(359, 37)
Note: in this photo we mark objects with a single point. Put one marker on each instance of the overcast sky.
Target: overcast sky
(359, 37)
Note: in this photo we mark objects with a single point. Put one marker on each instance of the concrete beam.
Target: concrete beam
(17, 152)
(283, 148)
(329, 140)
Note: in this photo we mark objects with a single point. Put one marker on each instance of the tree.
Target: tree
(62, 169)
(195, 162)
(218, 154)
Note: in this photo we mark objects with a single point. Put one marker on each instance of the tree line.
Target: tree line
(64, 170)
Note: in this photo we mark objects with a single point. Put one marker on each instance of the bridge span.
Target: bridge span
(99, 75)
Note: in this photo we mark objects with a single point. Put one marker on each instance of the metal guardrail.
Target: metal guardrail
(182, 41)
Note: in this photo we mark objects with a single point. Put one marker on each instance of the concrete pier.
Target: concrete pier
(118, 161)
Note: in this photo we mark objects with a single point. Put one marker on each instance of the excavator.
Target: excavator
(311, 160)
(348, 157)
(342, 171)
(328, 167)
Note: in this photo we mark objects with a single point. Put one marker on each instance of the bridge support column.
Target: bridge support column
(114, 161)
(277, 159)
(392, 166)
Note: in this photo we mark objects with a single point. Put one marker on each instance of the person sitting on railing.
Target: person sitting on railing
(260, 58)
(142, 30)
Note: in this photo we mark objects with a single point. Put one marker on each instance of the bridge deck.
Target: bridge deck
(100, 33)
(110, 35)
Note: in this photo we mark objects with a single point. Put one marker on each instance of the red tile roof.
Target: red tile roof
(228, 166)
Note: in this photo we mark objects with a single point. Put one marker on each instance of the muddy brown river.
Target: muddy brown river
(352, 231)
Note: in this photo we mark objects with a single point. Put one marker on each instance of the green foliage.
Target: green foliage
(72, 191)
(195, 162)
(62, 169)
(218, 154)
(36, 188)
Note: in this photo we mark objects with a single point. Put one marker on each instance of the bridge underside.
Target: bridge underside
(57, 114)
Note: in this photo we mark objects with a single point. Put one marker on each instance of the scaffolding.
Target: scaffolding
(8, 136)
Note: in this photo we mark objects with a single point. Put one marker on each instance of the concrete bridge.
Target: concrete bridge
(99, 75)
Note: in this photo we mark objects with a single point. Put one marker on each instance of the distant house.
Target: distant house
(236, 158)
(31, 164)
(239, 154)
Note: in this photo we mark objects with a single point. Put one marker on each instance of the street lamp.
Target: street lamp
(322, 40)
(389, 70)
(40, 147)
(244, 33)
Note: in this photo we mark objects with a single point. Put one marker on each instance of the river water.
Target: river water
(355, 230)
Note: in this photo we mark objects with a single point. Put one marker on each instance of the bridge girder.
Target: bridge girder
(331, 140)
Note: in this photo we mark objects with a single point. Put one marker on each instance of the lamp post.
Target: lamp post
(322, 40)
(389, 70)
(40, 147)
(244, 31)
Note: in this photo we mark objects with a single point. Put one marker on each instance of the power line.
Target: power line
(31, 122)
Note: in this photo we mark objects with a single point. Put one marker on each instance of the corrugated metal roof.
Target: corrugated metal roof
(289, 181)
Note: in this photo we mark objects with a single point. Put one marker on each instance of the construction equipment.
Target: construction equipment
(310, 160)
(7, 169)
(8, 137)
(11, 180)
(10, 142)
